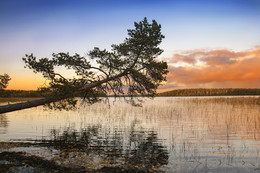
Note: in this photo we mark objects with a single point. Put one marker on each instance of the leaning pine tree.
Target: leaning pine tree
(130, 68)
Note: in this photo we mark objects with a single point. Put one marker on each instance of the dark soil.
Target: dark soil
(20, 162)
(20, 159)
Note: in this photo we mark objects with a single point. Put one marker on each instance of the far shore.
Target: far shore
(14, 99)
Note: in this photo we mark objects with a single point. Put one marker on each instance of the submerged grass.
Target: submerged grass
(187, 134)
(255, 100)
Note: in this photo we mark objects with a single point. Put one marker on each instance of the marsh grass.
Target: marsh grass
(199, 134)
(249, 100)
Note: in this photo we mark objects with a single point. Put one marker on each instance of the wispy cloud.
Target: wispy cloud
(216, 68)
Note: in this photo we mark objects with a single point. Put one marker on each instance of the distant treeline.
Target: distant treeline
(20, 93)
(32, 93)
(211, 92)
(177, 92)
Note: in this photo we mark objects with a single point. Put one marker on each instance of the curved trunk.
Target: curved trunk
(25, 105)
(30, 104)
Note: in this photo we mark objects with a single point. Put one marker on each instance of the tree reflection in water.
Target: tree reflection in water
(140, 150)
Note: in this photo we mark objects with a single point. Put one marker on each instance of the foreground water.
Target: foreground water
(189, 134)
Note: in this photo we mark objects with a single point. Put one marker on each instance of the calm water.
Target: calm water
(204, 134)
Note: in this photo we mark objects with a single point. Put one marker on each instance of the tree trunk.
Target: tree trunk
(25, 105)
(30, 104)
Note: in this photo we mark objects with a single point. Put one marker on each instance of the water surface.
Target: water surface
(168, 134)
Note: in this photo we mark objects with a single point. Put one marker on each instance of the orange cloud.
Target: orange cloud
(217, 68)
(212, 57)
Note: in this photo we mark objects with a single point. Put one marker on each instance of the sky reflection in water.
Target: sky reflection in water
(167, 134)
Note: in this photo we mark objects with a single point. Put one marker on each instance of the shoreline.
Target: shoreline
(15, 99)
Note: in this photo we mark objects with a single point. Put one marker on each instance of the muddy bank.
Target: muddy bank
(12, 161)
(20, 162)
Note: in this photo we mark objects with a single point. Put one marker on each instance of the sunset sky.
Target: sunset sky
(208, 43)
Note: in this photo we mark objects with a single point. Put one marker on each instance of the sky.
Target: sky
(208, 43)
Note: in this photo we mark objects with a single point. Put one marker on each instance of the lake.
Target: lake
(166, 134)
